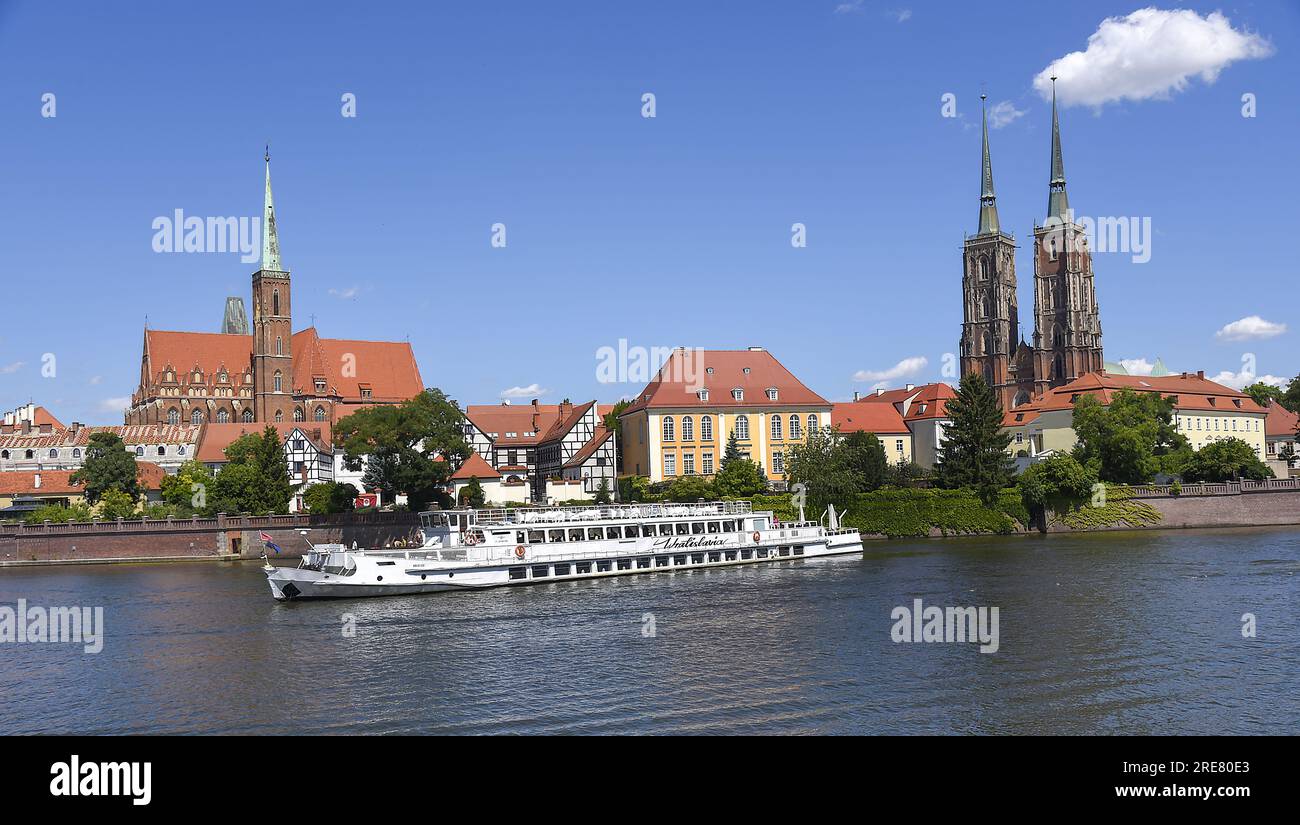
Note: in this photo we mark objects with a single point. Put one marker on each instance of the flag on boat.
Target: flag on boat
(266, 540)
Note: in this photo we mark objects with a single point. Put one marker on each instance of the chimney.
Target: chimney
(315, 433)
(1200, 373)
(566, 409)
(755, 349)
(27, 426)
(47, 429)
(910, 387)
(856, 395)
(880, 390)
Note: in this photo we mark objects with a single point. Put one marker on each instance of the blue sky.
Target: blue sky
(666, 231)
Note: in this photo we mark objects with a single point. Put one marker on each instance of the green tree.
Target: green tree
(236, 489)
(689, 488)
(824, 468)
(58, 514)
(974, 451)
(1059, 483)
(1124, 442)
(329, 497)
(1263, 393)
(865, 456)
(255, 478)
(187, 491)
(1291, 398)
(615, 426)
(408, 448)
(472, 494)
(107, 466)
(732, 451)
(602, 492)
(1226, 460)
(740, 479)
(115, 504)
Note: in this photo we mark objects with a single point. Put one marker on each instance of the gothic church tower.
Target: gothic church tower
(272, 325)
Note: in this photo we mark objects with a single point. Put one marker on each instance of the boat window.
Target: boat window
(561, 569)
(624, 564)
(539, 571)
(661, 561)
(714, 527)
(762, 553)
(582, 567)
(596, 534)
(746, 554)
(612, 533)
(386, 563)
(575, 534)
(798, 549)
(697, 527)
(536, 536)
(642, 563)
(665, 529)
(731, 555)
(602, 566)
(555, 535)
(683, 529)
(697, 558)
(728, 526)
(715, 557)
(784, 551)
(632, 531)
(679, 560)
(519, 537)
(517, 573)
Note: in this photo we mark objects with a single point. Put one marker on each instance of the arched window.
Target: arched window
(319, 415)
(54, 453)
(1057, 338)
(706, 428)
(279, 345)
(298, 414)
(196, 417)
(742, 427)
(173, 416)
(278, 381)
(669, 435)
(812, 424)
(279, 416)
(4, 454)
(139, 452)
(76, 453)
(223, 417)
(246, 416)
(776, 428)
(29, 454)
(162, 451)
(984, 268)
(688, 428)
(794, 427)
(275, 302)
(987, 340)
(985, 310)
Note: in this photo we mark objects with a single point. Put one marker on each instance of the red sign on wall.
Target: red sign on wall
(366, 500)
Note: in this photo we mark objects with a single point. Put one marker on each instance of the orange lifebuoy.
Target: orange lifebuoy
(519, 551)
(757, 537)
(471, 539)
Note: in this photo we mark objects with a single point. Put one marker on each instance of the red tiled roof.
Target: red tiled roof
(854, 416)
(42, 416)
(513, 418)
(1280, 421)
(131, 434)
(669, 386)
(59, 482)
(217, 437)
(600, 437)
(475, 467)
(1192, 390)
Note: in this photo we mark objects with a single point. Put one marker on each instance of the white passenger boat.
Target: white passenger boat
(471, 549)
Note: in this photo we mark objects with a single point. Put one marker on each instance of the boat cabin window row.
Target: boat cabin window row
(627, 531)
(542, 571)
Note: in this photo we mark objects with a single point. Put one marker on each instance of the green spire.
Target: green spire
(270, 241)
(1058, 204)
(988, 201)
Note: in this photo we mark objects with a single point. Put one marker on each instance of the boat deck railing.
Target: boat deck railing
(608, 512)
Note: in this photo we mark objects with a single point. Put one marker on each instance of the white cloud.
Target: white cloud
(1001, 114)
(95, 380)
(851, 7)
(10, 369)
(1245, 378)
(530, 391)
(1151, 53)
(115, 404)
(1137, 366)
(904, 368)
(345, 294)
(900, 15)
(1252, 326)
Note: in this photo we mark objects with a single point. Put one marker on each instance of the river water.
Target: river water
(1103, 633)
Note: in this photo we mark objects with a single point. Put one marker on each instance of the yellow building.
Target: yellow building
(1204, 411)
(679, 424)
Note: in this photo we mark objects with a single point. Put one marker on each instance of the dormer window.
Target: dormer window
(745, 370)
(1212, 400)
(771, 393)
(709, 370)
(320, 385)
(365, 393)
(703, 394)
(738, 394)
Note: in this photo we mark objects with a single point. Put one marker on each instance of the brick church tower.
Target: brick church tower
(1067, 324)
(990, 309)
(272, 325)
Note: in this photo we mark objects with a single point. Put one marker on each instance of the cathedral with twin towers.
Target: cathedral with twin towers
(1067, 328)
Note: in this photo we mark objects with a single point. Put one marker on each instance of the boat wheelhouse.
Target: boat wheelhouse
(470, 549)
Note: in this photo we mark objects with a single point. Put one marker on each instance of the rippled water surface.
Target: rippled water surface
(1106, 633)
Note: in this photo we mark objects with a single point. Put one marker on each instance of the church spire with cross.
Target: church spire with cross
(273, 380)
(270, 240)
(1058, 204)
(988, 200)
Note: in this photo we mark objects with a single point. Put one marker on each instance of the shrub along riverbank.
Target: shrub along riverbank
(906, 513)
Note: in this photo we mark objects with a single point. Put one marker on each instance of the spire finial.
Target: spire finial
(270, 240)
(988, 200)
(1058, 204)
